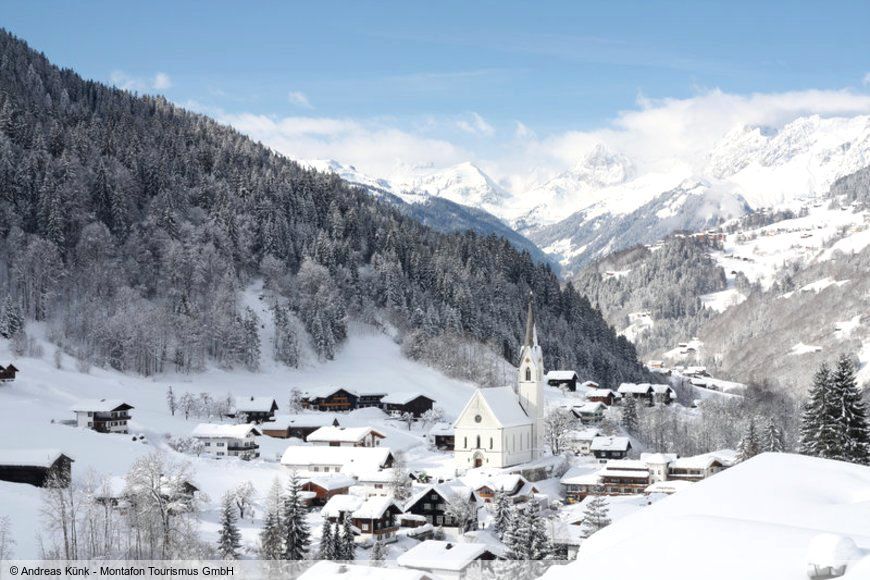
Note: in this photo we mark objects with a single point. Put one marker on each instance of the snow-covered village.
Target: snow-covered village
(312, 306)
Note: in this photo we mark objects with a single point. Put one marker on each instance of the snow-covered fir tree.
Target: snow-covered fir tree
(853, 425)
(271, 535)
(750, 444)
(378, 554)
(501, 513)
(348, 547)
(815, 408)
(295, 531)
(629, 415)
(772, 437)
(171, 402)
(596, 515)
(326, 549)
(229, 536)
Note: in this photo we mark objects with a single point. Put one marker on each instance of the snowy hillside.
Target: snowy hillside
(755, 520)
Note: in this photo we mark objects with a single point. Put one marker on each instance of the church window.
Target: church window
(528, 374)
(465, 442)
(478, 418)
(478, 441)
(490, 442)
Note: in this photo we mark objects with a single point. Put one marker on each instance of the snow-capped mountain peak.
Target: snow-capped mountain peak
(464, 183)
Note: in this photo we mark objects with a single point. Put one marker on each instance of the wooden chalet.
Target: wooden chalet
(607, 448)
(324, 488)
(35, 467)
(566, 379)
(103, 415)
(513, 485)
(374, 518)
(297, 426)
(346, 437)
(7, 374)
(605, 396)
(400, 403)
(432, 501)
(254, 409)
(340, 399)
(442, 436)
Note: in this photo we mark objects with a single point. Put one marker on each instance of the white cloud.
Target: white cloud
(475, 125)
(159, 82)
(866, 79)
(299, 99)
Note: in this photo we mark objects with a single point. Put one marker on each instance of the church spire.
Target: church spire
(531, 331)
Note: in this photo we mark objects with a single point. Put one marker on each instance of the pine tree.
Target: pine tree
(815, 408)
(271, 536)
(170, 400)
(11, 319)
(501, 513)
(348, 551)
(516, 537)
(295, 528)
(749, 446)
(595, 515)
(229, 537)
(540, 547)
(326, 551)
(773, 441)
(629, 415)
(338, 547)
(378, 554)
(853, 431)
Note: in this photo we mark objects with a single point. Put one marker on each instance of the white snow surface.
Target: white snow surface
(753, 521)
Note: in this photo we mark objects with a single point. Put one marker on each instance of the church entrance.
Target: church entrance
(478, 460)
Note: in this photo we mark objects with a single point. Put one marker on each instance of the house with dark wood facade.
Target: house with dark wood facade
(297, 426)
(103, 415)
(400, 403)
(606, 448)
(7, 374)
(566, 379)
(374, 518)
(432, 501)
(340, 399)
(324, 488)
(35, 466)
(254, 409)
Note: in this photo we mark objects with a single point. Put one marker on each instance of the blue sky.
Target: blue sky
(464, 79)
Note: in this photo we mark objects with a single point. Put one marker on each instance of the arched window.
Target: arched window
(465, 442)
(490, 442)
(478, 441)
(528, 373)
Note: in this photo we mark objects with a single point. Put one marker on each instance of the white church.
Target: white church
(503, 426)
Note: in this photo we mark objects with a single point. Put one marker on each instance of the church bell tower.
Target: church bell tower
(530, 381)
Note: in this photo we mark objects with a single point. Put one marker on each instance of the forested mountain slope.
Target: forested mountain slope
(130, 225)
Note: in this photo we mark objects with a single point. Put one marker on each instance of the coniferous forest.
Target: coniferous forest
(130, 227)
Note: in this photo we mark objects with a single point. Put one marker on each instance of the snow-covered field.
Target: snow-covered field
(753, 521)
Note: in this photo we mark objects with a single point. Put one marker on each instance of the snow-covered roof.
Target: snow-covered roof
(29, 457)
(696, 462)
(331, 482)
(326, 570)
(442, 555)
(504, 482)
(610, 444)
(224, 431)
(300, 420)
(342, 434)
(664, 390)
(374, 507)
(589, 408)
(581, 475)
(584, 434)
(402, 398)
(352, 459)
(504, 403)
(634, 388)
(341, 503)
(561, 375)
(600, 393)
(671, 486)
(442, 429)
(254, 404)
(100, 406)
(447, 491)
(624, 473)
(658, 458)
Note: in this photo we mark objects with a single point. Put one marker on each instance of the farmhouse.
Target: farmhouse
(35, 467)
(348, 460)
(7, 374)
(513, 485)
(325, 487)
(254, 409)
(446, 560)
(366, 400)
(567, 379)
(220, 440)
(589, 413)
(605, 396)
(339, 399)
(374, 517)
(643, 392)
(442, 436)
(400, 403)
(431, 502)
(103, 415)
(580, 441)
(606, 448)
(298, 426)
(346, 437)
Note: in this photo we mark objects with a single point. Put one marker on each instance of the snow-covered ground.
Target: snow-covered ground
(753, 521)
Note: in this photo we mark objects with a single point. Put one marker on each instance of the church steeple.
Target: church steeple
(531, 331)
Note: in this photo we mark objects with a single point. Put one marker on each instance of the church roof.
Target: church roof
(505, 405)
(531, 331)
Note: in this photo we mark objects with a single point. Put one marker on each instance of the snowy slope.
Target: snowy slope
(754, 521)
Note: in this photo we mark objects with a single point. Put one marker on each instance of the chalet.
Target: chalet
(641, 392)
(444, 559)
(254, 409)
(624, 477)
(589, 413)
(565, 539)
(401, 403)
(590, 385)
(663, 394)
(566, 379)
(375, 482)
(325, 487)
(607, 448)
(432, 501)
(375, 518)
(103, 415)
(115, 493)
(580, 441)
(696, 468)
(340, 399)
(580, 481)
(298, 426)
(351, 461)
(222, 440)
(513, 485)
(37, 467)
(442, 436)
(7, 374)
(367, 400)
(346, 437)
(605, 396)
